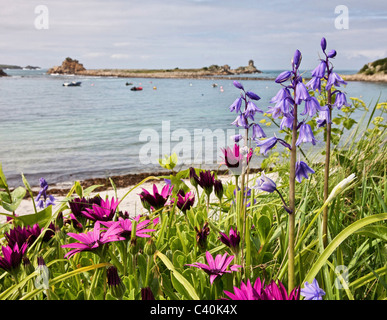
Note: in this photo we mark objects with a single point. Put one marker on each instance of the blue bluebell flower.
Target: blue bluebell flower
(340, 100)
(264, 183)
(305, 135)
(323, 118)
(257, 132)
(269, 143)
(236, 105)
(302, 171)
(334, 80)
(312, 291)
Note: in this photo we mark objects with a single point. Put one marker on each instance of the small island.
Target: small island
(72, 66)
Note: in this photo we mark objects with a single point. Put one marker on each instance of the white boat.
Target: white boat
(72, 84)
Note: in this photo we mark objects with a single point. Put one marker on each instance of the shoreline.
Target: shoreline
(131, 203)
(123, 73)
(120, 181)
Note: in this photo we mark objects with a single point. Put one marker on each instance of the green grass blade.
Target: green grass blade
(178, 276)
(344, 234)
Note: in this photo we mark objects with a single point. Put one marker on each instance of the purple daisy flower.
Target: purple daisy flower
(12, 257)
(124, 227)
(158, 199)
(92, 240)
(185, 200)
(105, 211)
(216, 267)
(275, 291)
(232, 240)
(247, 291)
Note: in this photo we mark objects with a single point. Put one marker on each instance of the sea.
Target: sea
(102, 128)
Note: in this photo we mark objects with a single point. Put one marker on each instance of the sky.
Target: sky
(164, 34)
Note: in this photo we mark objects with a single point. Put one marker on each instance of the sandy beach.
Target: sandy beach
(131, 202)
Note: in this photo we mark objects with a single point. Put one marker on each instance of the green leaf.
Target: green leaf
(344, 234)
(41, 217)
(17, 196)
(90, 189)
(263, 228)
(78, 189)
(57, 279)
(169, 162)
(183, 281)
(378, 232)
(348, 123)
(3, 180)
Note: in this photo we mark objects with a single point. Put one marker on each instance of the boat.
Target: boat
(136, 88)
(72, 84)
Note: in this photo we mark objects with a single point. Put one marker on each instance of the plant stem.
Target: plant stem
(326, 171)
(292, 200)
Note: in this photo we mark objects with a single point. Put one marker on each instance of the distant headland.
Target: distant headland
(14, 67)
(72, 66)
(374, 72)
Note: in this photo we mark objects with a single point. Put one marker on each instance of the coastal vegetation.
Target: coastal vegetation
(378, 66)
(302, 228)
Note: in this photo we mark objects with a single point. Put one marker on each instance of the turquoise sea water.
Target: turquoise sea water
(100, 128)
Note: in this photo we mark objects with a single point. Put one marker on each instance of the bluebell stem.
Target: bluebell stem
(287, 107)
(243, 117)
(325, 116)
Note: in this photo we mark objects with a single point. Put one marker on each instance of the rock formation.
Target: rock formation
(69, 66)
(2, 73)
(248, 69)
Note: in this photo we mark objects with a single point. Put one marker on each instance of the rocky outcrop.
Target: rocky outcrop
(226, 70)
(2, 73)
(248, 69)
(69, 66)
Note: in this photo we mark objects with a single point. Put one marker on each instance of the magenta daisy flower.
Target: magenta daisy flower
(247, 291)
(275, 291)
(12, 257)
(102, 212)
(232, 240)
(124, 227)
(92, 240)
(185, 200)
(158, 199)
(216, 267)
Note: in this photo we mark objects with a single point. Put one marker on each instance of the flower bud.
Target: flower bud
(117, 287)
(238, 85)
(323, 44)
(147, 294)
(252, 95)
(27, 265)
(150, 247)
(297, 58)
(332, 54)
(193, 177)
(283, 76)
(218, 188)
